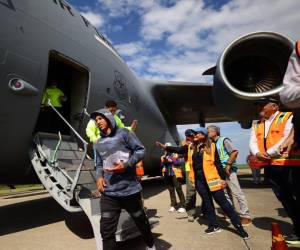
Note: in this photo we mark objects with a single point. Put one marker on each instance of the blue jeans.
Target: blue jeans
(219, 196)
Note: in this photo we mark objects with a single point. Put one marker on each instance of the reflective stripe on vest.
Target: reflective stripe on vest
(223, 154)
(297, 48)
(210, 170)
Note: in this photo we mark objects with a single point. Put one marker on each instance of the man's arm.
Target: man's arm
(231, 150)
(290, 94)
(99, 165)
(178, 150)
(134, 144)
(253, 143)
(273, 151)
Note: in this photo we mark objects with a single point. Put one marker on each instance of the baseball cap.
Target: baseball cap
(201, 130)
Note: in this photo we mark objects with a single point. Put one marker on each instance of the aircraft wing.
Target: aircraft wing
(186, 103)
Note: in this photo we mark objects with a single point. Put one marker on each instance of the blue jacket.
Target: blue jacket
(124, 142)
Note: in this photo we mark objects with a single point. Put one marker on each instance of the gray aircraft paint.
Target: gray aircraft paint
(29, 31)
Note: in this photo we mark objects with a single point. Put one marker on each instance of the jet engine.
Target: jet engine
(251, 67)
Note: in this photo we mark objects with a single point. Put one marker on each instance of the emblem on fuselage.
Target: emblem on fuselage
(120, 85)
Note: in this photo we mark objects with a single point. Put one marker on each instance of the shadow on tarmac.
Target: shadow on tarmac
(265, 223)
(138, 244)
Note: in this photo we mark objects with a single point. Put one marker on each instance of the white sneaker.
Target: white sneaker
(151, 248)
(172, 209)
(181, 210)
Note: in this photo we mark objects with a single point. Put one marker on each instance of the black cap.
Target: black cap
(189, 132)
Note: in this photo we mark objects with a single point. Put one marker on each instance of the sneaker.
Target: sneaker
(292, 239)
(246, 221)
(191, 218)
(242, 232)
(151, 248)
(212, 230)
(181, 210)
(172, 209)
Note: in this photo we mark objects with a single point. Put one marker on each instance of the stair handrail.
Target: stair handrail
(84, 142)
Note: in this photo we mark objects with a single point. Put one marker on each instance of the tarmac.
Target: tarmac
(35, 221)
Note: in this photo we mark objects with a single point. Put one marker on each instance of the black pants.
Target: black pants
(219, 196)
(173, 183)
(285, 182)
(110, 213)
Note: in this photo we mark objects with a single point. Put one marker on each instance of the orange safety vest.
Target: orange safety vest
(275, 134)
(177, 171)
(211, 174)
(139, 168)
(297, 48)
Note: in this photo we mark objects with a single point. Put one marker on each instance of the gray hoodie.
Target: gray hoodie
(122, 143)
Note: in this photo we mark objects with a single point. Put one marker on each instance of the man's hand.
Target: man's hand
(101, 184)
(134, 125)
(118, 168)
(285, 148)
(263, 156)
(228, 170)
(160, 145)
(223, 184)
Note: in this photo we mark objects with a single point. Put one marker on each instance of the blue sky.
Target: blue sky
(178, 40)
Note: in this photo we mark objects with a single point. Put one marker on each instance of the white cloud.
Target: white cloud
(130, 49)
(195, 35)
(94, 18)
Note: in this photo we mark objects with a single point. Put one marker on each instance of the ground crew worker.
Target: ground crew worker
(51, 121)
(118, 151)
(172, 177)
(210, 181)
(290, 97)
(265, 142)
(190, 197)
(113, 108)
(54, 94)
(228, 154)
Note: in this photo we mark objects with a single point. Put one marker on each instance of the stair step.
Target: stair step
(64, 145)
(86, 177)
(50, 141)
(70, 164)
(69, 155)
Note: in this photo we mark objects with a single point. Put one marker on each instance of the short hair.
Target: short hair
(214, 128)
(110, 103)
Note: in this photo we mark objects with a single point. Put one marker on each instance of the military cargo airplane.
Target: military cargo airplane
(47, 40)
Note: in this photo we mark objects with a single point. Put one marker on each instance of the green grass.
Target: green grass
(5, 190)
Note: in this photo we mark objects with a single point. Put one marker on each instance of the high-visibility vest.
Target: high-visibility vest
(189, 161)
(139, 168)
(211, 174)
(54, 95)
(223, 154)
(297, 48)
(92, 131)
(275, 134)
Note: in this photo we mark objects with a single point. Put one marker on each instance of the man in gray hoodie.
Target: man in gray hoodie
(118, 151)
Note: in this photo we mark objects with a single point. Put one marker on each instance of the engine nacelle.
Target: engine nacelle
(251, 67)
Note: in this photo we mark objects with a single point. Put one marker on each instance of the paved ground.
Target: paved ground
(35, 221)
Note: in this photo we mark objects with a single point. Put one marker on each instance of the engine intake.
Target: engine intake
(251, 67)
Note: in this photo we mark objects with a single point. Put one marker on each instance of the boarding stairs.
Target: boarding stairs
(64, 168)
